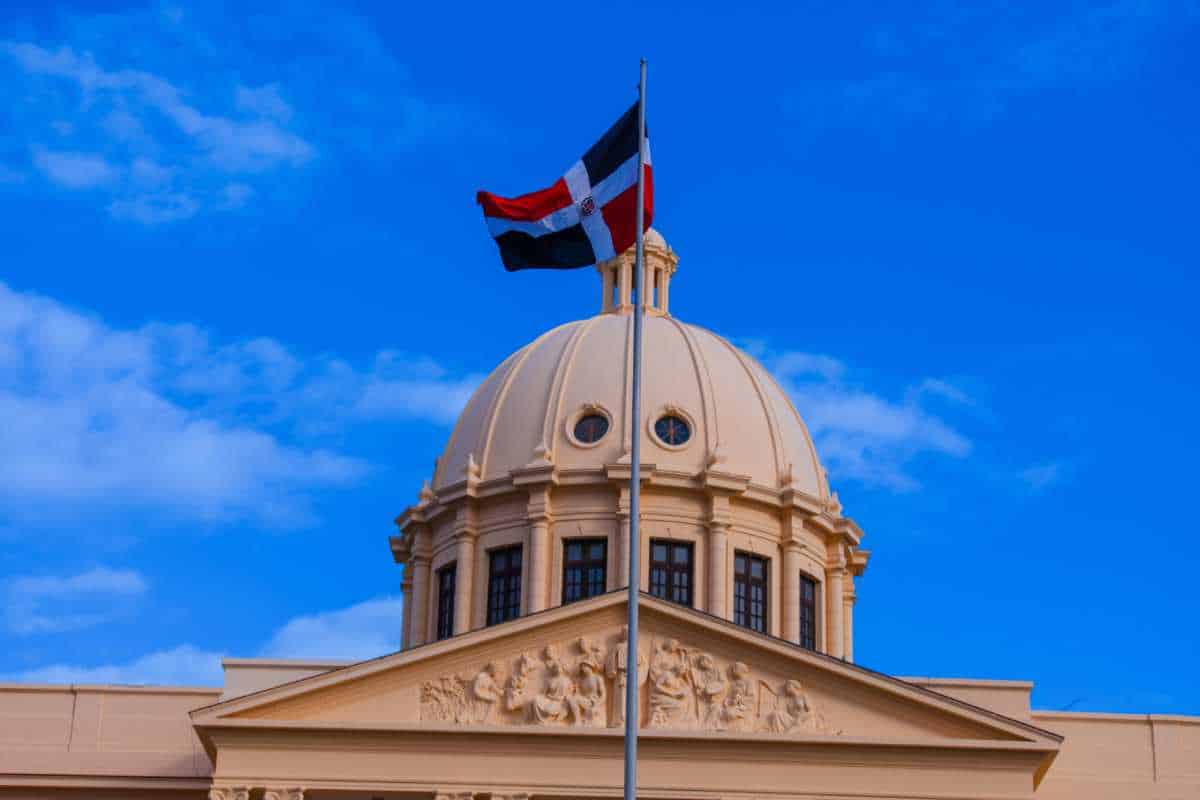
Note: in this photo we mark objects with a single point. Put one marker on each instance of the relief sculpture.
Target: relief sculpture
(685, 689)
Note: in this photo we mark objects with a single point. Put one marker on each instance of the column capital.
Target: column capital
(229, 793)
(468, 535)
(291, 793)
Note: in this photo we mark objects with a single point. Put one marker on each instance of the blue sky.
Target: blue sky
(244, 291)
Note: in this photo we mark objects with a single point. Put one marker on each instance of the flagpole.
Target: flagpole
(635, 483)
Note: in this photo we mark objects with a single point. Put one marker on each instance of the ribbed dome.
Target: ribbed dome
(742, 422)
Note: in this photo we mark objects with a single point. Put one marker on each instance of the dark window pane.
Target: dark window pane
(808, 612)
(750, 591)
(445, 612)
(671, 570)
(585, 569)
(504, 585)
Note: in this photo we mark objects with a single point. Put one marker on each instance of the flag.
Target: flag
(589, 215)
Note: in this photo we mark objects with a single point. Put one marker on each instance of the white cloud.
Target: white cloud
(1040, 477)
(359, 632)
(153, 209)
(861, 435)
(162, 418)
(138, 118)
(264, 101)
(235, 145)
(362, 631)
(74, 170)
(53, 604)
(180, 666)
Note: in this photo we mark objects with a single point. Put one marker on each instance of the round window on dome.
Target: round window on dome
(590, 428)
(672, 430)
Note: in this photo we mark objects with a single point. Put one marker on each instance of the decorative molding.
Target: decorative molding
(582, 684)
(229, 793)
(294, 793)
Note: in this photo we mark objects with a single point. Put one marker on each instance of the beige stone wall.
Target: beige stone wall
(1123, 757)
(593, 506)
(92, 737)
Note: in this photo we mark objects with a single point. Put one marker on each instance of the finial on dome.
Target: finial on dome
(472, 469)
(426, 495)
(616, 277)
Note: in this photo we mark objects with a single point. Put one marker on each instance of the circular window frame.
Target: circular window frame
(584, 411)
(671, 411)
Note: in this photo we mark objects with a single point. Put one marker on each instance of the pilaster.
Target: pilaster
(836, 604)
(418, 619)
(719, 521)
(465, 535)
(848, 643)
(406, 591)
(791, 591)
(623, 521)
(539, 520)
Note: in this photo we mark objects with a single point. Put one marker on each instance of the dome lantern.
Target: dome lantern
(616, 278)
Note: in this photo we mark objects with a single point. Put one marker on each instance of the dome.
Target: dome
(740, 420)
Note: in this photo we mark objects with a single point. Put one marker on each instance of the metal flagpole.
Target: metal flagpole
(635, 482)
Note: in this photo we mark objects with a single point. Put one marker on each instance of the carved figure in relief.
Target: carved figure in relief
(444, 700)
(591, 698)
(617, 669)
(710, 686)
(485, 692)
(791, 712)
(516, 691)
(669, 689)
(737, 712)
(552, 705)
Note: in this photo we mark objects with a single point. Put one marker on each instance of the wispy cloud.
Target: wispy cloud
(179, 666)
(861, 435)
(986, 59)
(74, 170)
(53, 604)
(362, 631)
(1041, 477)
(358, 632)
(172, 113)
(123, 111)
(162, 417)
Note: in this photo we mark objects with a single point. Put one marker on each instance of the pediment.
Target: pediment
(566, 667)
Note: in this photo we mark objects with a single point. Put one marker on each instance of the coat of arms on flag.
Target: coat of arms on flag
(559, 227)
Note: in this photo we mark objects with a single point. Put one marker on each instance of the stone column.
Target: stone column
(418, 632)
(539, 563)
(848, 642)
(837, 606)
(791, 592)
(718, 542)
(622, 576)
(406, 591)
(464, 572)
(718, 558)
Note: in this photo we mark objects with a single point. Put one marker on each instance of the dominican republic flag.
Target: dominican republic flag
(589, 215)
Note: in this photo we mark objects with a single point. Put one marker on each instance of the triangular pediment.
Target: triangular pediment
(698, 675)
